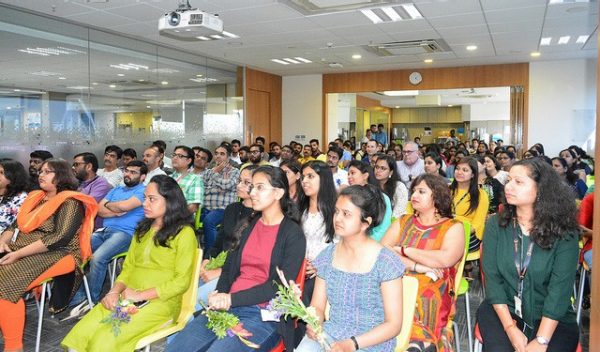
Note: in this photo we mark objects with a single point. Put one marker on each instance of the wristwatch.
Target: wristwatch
(542, 340)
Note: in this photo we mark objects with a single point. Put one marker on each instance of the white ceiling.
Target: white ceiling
(504, 30)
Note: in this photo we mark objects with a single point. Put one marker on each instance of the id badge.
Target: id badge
(518, 306)
(269, 315)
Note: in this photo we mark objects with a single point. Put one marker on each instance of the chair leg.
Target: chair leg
(477, 346)
(456, 336)
(147, 348)
(469, 327)
(114, 273)
(582, 276)
(88, 295)
(40, 318)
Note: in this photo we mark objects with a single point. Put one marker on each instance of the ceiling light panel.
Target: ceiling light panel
(59, 50)
(280, 61)
(392, 13)
(564, 40)
(582, 39)
(296, 61)
(545, 41)
(129, 66)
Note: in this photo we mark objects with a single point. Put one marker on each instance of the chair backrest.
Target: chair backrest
(188, 305)
(461, 265)
(410, 290)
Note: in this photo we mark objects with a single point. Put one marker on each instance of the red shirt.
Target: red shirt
(586, 218)
(256, 257)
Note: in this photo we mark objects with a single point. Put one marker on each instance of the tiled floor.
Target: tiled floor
(53, 331)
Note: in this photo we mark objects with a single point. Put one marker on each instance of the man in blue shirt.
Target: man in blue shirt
(381, 135)
(122, 210)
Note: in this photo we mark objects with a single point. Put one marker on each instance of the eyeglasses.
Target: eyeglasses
(179, 156)
(45, 172)
(406, 152)
(259, 188)
(77, 163)
(134, 172)
(254, 151)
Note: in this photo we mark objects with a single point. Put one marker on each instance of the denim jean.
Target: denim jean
(196, 337)
(106, 244)
(587, 256)
(210, 220)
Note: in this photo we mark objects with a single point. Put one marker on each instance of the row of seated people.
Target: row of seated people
(311, 197)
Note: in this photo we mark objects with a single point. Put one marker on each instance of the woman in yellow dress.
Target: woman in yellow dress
(158, 269)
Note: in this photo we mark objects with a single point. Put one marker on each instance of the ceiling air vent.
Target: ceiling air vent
(410, 47)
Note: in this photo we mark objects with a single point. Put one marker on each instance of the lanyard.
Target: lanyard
(460, 200)
(521, 263)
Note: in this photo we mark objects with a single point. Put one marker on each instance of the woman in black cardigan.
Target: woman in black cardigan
(270, 238)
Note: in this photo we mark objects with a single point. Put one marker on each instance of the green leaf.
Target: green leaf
(216, 262)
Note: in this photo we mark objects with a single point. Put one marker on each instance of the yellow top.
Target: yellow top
(477, 218)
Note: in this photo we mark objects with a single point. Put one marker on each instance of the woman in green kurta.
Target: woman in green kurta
(530, 253)
(158, 268)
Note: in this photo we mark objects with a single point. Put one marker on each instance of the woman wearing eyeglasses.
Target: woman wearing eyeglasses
(271, 238)
(53, 222)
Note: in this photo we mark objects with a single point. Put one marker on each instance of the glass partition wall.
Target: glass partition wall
(68, 88)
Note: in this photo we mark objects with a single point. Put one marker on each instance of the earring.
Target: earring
(437, 215)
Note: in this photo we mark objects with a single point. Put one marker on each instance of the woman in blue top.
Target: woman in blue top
(370, 317)
(362, 174)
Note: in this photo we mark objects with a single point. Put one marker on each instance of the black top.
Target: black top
(288, 255)
(234, 214)
(495, 191)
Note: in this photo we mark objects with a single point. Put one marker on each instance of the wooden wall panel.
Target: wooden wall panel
(263, 88)
(595, 288)
(433, 78)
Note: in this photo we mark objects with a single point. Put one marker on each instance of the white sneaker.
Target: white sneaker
(78, 311)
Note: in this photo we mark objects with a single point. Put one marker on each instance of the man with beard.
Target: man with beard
(153, 158)
(85, 166)
(297, 150)
(287, 153)
(36, 159)
(411, 164)
(244, 154)
(122, 210)
(255, 156)
(340, 176)
(111, 171)
(276, 150)
(220, 190)
(316, 150)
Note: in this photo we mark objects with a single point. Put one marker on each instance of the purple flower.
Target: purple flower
(230, 333)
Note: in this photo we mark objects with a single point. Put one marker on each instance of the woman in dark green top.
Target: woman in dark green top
(535, 235)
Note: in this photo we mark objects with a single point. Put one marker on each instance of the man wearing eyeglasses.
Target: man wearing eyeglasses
(111, 171)
(220, 185)
(85, 167)
(122, 210)
(191, 184)
(411, 164)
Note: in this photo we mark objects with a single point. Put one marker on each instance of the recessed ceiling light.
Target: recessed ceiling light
(292, 61)
(203, 38)
(8, 108)
(112, 86)
(148, 106)
(450, 105)
(230, 35)
(141, 80)
(397, 106)
(216, 36)
(357, 56)
(371, 15)
(94, 83)
(16, 90)
(545, 41)
(306, 61)
(120, 74)
(198, 75)
(280, 61)
(564, 39)
(582, 39)
(391, 13)
(471, 47)
(164, 83)
(412, 11)
(62, 78)
(428, 61)
(535, 54)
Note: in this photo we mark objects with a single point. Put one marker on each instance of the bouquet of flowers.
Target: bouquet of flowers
(226, 324)
(288, 303)
(122, 315)
(216, 262)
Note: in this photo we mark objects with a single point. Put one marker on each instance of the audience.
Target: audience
(53, 223)
(530, 253)
(430, 244)
(566, 174)
(158, 270)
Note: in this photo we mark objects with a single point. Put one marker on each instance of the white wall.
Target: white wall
(302, 106)
(490, 111)
(562, 104)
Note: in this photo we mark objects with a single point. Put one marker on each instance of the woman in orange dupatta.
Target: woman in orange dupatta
(53, 223)
(430, 243)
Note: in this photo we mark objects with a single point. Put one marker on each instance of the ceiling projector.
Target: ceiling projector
(187, 23)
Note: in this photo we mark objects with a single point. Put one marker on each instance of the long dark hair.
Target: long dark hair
(369, 200)
(295, 167)
(569, 174)
(389, 187)
(325, 197)
(437, 159)
(442, 199)
(364, 168)
(176, 214)
(277, 179)
(473, 184)
(555, 210)
(18, 177)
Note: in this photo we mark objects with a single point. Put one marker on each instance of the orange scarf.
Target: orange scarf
(31, 216)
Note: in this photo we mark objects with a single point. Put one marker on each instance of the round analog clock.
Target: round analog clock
(415, 78)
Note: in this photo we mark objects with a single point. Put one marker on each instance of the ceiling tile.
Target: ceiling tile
(464, 19)
(138, 12)
(430, 9)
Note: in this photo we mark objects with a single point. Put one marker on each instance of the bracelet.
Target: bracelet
(415, 267)
(356, 347)
(402, 251)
